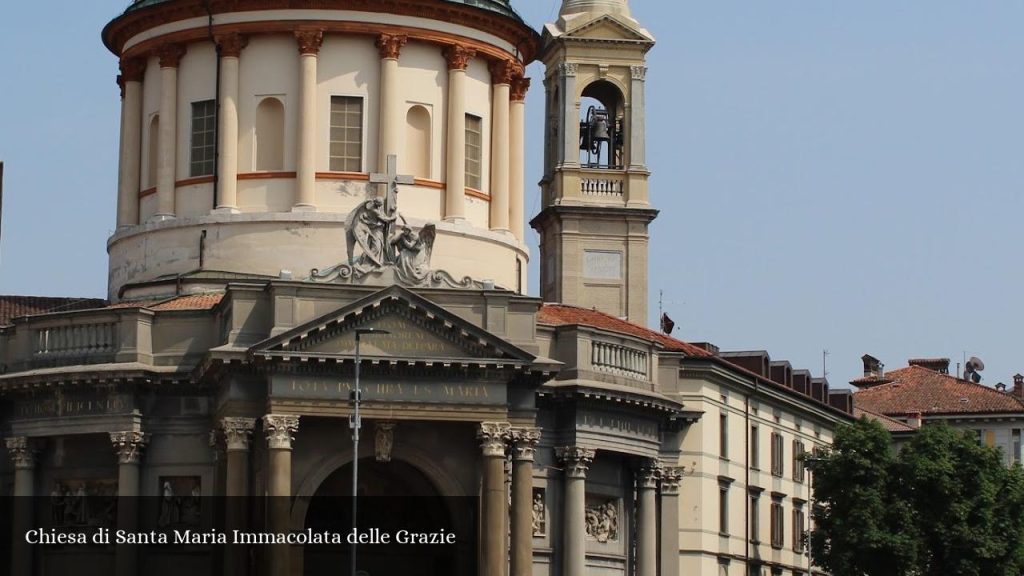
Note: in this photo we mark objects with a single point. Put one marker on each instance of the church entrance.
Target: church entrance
(406, 523)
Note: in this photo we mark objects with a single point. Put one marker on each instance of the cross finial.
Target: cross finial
(392, 178)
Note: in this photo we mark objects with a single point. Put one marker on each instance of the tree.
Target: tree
(945, 505)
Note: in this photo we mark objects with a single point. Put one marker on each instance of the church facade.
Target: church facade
(320, 197)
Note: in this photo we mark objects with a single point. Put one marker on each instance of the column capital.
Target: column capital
(648, 474)
(524, 443)
(231, 44)
(132, 69)
(671, 476)
(280, 430)
(170, 55)
(458, 56)
(237, 432)
(492, 436)
(576, 459)
(503, 71)
(390, 45)
(520, 85)
(638, 72)
(129, 445)
(23, 452)
(309, 41)
(568, 69)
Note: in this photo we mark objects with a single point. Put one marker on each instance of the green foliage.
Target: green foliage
(944, 505)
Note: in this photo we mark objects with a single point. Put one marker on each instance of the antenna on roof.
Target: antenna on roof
(971, 369)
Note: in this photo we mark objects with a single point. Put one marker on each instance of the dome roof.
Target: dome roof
(502, 7)
(594, 7)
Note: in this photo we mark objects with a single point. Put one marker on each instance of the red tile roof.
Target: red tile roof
(191, 302)
(15, 306)
(890, 424)
(915, 389)
(565, 315)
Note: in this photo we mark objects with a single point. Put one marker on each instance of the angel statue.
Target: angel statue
(414, 249)
(366, 227)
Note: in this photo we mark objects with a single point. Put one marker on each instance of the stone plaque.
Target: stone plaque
(80, 404)
(405, 339)
(606, 265)
(612, 424)
(374, 390)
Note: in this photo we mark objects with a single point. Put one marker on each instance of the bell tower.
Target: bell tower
(595, 213)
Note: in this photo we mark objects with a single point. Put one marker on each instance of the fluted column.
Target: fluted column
(516, 155)
(492, 436)
(524, 445)
(128, 446)
(647, 520)
(130, 160)
(576, 461)
(391, 117)
(280, 430)
(166, 172)
(237, 436)
(309, 47)
(227, 116)
(502, 73)
(669, 517)
(23, 454)
(458, 58)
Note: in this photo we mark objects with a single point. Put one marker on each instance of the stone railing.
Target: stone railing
(619, 360)
(603, 186)
(76, 340)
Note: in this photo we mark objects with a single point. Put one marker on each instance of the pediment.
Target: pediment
(417, 331)
(607, 27)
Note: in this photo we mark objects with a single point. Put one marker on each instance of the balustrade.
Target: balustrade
(617, 359)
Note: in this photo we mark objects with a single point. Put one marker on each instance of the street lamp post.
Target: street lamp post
(355, 423)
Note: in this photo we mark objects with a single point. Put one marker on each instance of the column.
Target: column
(647, 520)
(237, 435)
(576, 461)
(128, 446)
(227, 117)
(669, 506)
(524, 445)
(502, 73)
(569, 122)
(166, 172)
(391, 115)
(637, 113)
(23, 453)
(516, 159)
(280, 430)
(309, 47)
(130, 161)
(458, 58)
(492, 436)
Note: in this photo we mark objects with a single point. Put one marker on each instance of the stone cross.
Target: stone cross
(392, 179)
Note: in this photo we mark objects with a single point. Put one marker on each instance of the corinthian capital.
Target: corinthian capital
(170, 55)
(648, 474)
(503, 71)
(524, 443)
(670, 479)
(492, 436)
(576, 459)
(458, 56)
(23, 452)
(390, 45)
(231, 45)
(520, 85)
(280, 430)
(128, 446)
(309, 41)
(237, 432)
(132, 69)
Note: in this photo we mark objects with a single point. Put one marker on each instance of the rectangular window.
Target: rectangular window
(798, 530)
(777, 524)
(798, 463)
(723, 435)
(474, 151)
(346, 154)
(990, 438)
(723, 508)
(755, 520)
(1015, 450)
(755, 452)
(777, 455)
(203, 143)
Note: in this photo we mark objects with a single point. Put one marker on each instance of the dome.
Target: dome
(499, 6)
(570, 7)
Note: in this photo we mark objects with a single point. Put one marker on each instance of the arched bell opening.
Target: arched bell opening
(602, 126)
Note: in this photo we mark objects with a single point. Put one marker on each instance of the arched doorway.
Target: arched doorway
(393, 496)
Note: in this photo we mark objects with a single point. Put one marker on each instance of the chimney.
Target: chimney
(872, 366)
(1000, 387)
(1018, 385)
(707, 347)
(940, 365)
(914, 420)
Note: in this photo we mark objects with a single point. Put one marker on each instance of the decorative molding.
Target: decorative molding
(170, 55)
(280, 430)
(231, 44)
(458, 56)
(524, 443)
(309, 41)
(670, 479)
(638, 72)
(492, 436)
(520, 86)
(602, 521)
(390, 45)
(23, 452)
(577, 460)
(237, 432)
(568, 68)
(384, 440)
(648, 474)
(129, 445)
(503, 71)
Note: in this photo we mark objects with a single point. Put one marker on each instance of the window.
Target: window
(474, 151)
(723, 435)
(723, 508)
(755, 517)
(799, 541)
(777, 456)
(270, 134)
(798, 463)
(755, 452)
(777, 523)
(204, 134)
(346, 134)
(990, 438)
(1015, 454)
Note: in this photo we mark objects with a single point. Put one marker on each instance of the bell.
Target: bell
(600, 128)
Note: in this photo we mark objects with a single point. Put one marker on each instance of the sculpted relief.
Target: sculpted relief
(603, 521)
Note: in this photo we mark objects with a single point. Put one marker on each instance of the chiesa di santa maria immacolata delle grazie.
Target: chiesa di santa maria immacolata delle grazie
(295, 173)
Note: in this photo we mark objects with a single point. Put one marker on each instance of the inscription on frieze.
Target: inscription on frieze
(609, 423)
(426, 392)
(404, 339)
(67, 405)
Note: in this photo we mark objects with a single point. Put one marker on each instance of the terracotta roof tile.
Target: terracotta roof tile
(191, 302)
(890, 424)
(565, 315)
(915, 389)
(15, 306)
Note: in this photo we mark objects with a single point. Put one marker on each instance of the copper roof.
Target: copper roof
(14, 306)
(565, 315)
(915, 389)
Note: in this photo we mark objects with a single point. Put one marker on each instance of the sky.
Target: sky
(840, 176)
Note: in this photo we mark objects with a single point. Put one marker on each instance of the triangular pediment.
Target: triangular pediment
(607, 27)
(413, 329)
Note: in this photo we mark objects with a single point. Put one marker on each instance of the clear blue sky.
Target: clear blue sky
(831, 175)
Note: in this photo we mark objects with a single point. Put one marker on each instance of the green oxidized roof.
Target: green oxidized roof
(502, 7)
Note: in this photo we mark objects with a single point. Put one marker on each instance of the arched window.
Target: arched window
(269, 140)
(153, 158)
(417, 142)
(602, 126)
